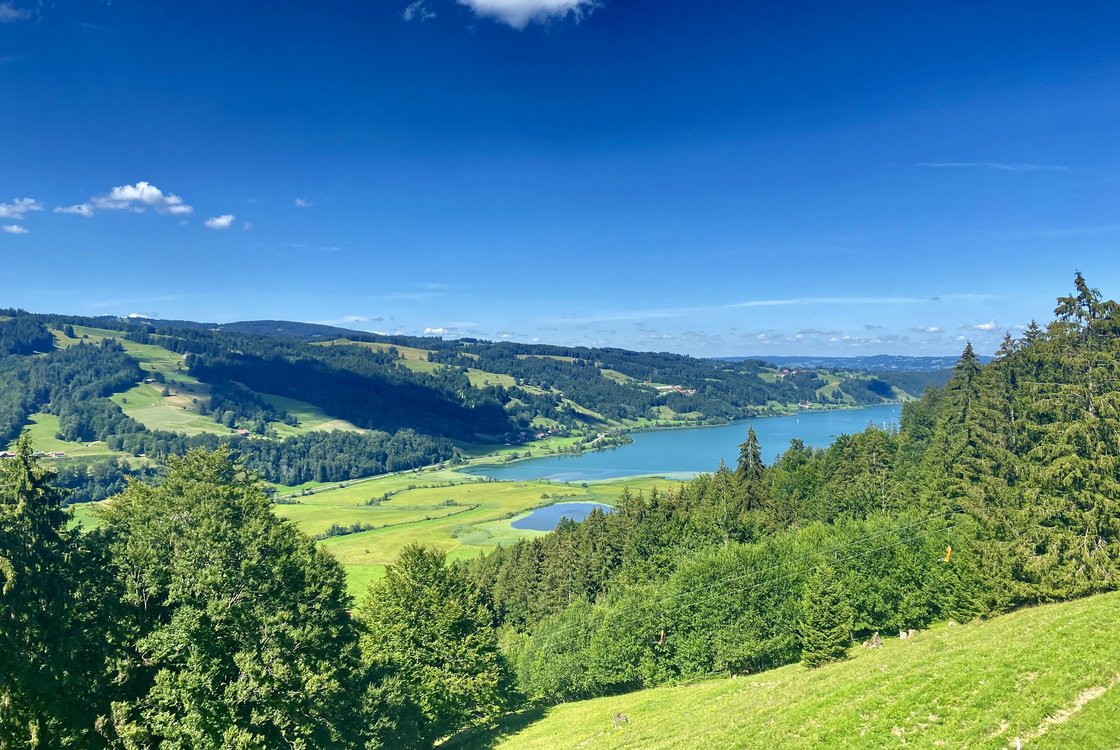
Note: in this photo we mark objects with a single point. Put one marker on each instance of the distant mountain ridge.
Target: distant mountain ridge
(870, 363)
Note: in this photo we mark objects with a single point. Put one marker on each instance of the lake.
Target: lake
(545, 519)
(688, 451)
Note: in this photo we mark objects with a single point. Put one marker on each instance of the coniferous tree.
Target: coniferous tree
(431, 653)
(53, 616)
(826, 620)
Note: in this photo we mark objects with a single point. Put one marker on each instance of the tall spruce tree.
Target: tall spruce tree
(826, 619)
(53, 616)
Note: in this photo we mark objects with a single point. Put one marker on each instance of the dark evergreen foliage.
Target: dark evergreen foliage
(826, 619)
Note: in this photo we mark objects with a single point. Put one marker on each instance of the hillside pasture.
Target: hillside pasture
(1048, 677)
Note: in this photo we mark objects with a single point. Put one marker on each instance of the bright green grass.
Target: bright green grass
(459, 531)
(361, 490)
(43, 428)
(481, 378)
(1048, 676)
(175, 413)
(616, 376)
(310, 417)
(316, 519)
(154, 359)
(85, 515)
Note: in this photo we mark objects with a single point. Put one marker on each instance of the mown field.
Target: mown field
(461, 514)
(1047, 677)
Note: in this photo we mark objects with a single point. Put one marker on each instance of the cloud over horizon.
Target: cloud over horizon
(519, 13)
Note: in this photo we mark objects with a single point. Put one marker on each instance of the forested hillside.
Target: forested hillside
(998, 490)
(115, 396)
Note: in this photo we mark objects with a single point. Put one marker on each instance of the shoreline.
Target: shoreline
(497, 460)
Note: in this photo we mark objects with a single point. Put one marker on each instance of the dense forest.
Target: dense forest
(194, 618)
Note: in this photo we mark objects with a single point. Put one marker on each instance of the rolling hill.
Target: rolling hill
(1046, 676)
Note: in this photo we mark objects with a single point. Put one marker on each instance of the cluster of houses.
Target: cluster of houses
(676, 389)
(37, 454)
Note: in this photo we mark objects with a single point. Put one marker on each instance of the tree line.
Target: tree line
(998, 490)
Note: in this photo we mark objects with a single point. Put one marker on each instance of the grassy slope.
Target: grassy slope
(43, 429)
(1047, 675)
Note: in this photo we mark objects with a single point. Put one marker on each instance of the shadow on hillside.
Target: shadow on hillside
(488, 737)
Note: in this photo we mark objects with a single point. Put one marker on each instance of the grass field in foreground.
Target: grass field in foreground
(1049, 676)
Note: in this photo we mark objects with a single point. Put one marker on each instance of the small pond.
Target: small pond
(545, 519)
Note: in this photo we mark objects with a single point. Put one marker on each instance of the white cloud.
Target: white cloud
(247, 226)
(677, 312)
(927, 329)
(140, 196)
(220, 222)
(303, 203)
(436, 331)
(518, 13)
(80, 209)
(9, 13)
(999, 165)
(18, 207)
(991, 325)
(418, 11)
(15, 229)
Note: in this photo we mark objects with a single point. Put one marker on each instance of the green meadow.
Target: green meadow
(1046, 677)
(458, 513)
(43, 429)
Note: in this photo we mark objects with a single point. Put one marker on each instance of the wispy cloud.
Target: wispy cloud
(418, 11)
(220, 222)
(349, 320)
(1089, 230)
(139, 197)
(448, 329)
(519, 13)
(15, 229)
(998, 165)
(677, 312)
(10, 13)
(991, 325)
(18, 207)
(133, 301)
(80, 209)
(302, 203)
(927, 329)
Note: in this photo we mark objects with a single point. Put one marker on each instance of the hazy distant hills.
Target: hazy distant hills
(870, 363)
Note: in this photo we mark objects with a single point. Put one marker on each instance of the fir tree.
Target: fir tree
(826, 620)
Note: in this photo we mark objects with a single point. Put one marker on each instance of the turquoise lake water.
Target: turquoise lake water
(545, 519)
(689, 451)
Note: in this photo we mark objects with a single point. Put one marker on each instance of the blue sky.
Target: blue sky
(704, 177)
